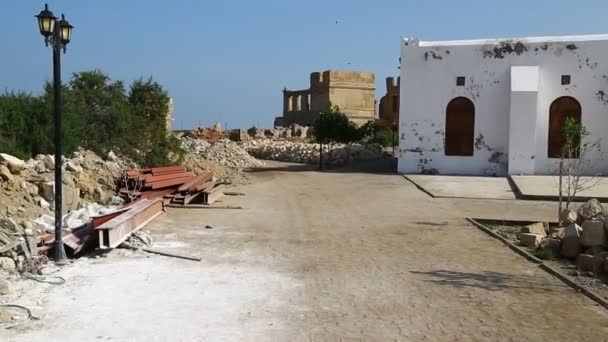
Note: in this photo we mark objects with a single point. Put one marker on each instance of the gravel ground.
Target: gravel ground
(333, 256)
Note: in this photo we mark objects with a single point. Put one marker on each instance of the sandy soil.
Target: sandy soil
(334, 256)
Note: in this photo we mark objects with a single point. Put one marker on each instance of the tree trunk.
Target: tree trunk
(320, 156)
(561, 176)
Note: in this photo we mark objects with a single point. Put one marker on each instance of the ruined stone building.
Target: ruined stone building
(388, 109)
(352, 91)
(497, 107)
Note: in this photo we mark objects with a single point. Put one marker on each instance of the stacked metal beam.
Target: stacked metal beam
(200, 190)
(153, 182)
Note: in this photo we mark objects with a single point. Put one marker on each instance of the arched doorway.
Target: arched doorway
(561, 109)
(459, 127)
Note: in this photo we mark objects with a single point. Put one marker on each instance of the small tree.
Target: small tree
(573, 163)
(333, 126)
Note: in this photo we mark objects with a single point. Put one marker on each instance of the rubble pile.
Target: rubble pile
(582, 236)
(303, 152)
(27, 194)
(210, 134)
(293, 132)
(28, 187)
(223, 152)
(17, 246)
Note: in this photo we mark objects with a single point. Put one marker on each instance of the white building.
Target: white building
(495, 107)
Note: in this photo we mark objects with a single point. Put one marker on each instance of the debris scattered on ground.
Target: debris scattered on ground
(173, 255)
(12, 315)
(137, 240)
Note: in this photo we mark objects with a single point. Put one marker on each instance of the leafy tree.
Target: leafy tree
(98, 114)
(333, 126)
(150, 104)
(24, 124)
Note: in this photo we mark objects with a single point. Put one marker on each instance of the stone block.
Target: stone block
(553, 244)
(72, 167)
(594, 233)
(70, 195)
(571, 242)
(530, 240)
(48, 161)
(535, 228)
(587, 262)
(568, 216)
(557, 232)
(7, 264)
(6, 174)
(14, 164)
(590, 209)
(31, 189)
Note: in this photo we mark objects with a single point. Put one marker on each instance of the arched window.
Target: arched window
(459, 127)
(561, 109)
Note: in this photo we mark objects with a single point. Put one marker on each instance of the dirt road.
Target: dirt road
(318, 256)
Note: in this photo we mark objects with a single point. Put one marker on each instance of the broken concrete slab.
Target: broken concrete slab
(571, 243)
(530, 240)
(594, 233)
(535, 228)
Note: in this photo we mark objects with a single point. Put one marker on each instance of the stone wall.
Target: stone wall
(352, 91)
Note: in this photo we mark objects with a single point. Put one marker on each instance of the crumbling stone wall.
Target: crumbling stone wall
(353, 91)
(389, 103)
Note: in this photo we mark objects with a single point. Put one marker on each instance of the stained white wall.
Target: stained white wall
(523, 111)
(428, 83)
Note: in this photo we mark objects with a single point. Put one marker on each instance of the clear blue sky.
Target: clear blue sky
(229, 60)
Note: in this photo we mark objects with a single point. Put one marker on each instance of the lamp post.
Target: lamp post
(58, 33)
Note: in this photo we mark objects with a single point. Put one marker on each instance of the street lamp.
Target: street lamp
(58, 33)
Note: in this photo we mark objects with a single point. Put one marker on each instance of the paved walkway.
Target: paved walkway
(324, 257)
(472, 187)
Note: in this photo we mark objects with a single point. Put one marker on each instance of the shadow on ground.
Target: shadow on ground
(380, 166)
(490, 281)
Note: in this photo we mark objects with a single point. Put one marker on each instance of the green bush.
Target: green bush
(334, 126)
(98, 114)
(387, 137)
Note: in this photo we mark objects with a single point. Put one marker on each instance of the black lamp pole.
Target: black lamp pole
(58, 248)
(58, 33)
